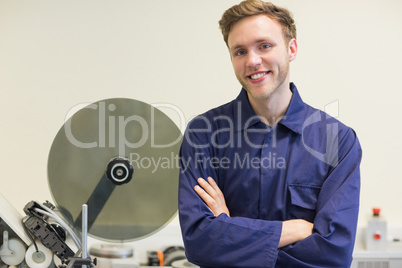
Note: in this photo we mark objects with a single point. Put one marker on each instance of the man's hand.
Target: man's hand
(212, 196)
(294, 230)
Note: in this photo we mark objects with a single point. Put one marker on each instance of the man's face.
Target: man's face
(260, 55)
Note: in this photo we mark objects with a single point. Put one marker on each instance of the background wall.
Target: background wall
(57, 54)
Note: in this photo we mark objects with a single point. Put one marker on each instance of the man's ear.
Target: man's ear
(292, 49)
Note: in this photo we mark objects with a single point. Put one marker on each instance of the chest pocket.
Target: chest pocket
(303, 199)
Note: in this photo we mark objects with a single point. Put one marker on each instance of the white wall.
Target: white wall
(57, 54)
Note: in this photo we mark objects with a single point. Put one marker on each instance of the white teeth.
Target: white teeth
(256, 76)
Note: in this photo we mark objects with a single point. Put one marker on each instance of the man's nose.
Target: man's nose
(253, 60)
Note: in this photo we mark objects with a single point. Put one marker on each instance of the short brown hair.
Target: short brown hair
(256, 7)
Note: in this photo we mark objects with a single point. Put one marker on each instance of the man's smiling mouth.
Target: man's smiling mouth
(258, 75)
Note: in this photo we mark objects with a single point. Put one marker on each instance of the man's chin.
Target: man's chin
(259, 95)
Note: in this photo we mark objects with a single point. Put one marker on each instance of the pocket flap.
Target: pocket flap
(304, 196)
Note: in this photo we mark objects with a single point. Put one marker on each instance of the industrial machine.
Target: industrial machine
(113, 174)
(377, 245)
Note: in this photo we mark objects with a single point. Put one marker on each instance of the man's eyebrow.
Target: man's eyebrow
(258, 41)
(235, 47)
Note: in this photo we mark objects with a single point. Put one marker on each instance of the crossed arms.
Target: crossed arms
(292, 230)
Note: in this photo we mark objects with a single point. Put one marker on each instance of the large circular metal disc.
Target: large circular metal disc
(116, 129)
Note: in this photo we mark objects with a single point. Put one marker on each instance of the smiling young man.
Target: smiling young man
(260, 56)
(266, 180)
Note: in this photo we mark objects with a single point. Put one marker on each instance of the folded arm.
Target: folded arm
(292, 230)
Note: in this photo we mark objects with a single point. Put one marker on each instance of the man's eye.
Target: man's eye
(240, 52)
(265, 46)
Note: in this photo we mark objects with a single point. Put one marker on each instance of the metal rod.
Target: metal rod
(84, 232)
